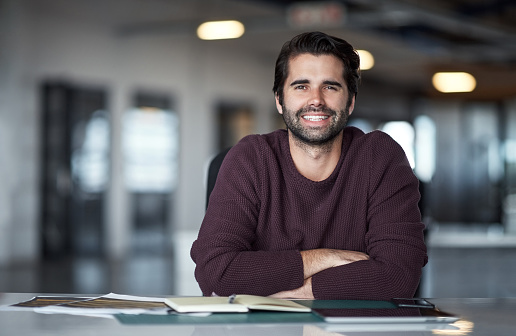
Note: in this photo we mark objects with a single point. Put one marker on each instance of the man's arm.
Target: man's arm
(226, 260)
(303, 292)
(315, 261)
(395, 250)
(394, 239)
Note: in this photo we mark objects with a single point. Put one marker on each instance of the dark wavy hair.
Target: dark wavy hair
(317, 43)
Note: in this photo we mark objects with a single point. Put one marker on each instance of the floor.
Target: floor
(143, 272)
(470, 272)
(477, 262)
(481, 270)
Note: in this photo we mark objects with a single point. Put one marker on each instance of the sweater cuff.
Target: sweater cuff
(294, 270)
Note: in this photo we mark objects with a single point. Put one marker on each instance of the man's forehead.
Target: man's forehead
(302, 66)
(325, 58)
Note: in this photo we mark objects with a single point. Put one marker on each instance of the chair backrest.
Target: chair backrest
(213, 171)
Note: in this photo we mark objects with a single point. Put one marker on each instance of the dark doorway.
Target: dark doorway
(75, 147)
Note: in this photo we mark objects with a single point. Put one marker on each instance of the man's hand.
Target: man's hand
(303, 292)
(315, 261)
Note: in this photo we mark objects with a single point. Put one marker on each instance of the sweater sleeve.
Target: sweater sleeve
(394, 239)
(225, 260)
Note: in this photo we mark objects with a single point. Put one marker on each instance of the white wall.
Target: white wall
(196, 74)
(18, 136)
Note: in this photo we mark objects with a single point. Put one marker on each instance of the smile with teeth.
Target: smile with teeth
(315, 117)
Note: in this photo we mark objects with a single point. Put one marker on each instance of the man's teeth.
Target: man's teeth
(315, 118)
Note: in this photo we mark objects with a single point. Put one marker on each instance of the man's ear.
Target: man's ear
(278, 105)
(352, 105)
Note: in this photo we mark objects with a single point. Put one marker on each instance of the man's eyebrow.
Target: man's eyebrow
(306, 81)
(299, 81)
(334, 83)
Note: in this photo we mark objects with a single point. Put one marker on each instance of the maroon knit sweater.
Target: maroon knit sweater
(262, 212)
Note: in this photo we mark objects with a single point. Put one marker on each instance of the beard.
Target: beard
(315, 136)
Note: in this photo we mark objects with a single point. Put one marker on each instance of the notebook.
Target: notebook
(233, 304)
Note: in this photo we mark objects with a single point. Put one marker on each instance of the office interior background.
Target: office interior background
(111, 110)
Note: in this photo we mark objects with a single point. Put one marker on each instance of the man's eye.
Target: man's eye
(331, 88)
(300, 87)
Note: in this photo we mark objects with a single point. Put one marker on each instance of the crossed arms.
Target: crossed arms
(315, 261)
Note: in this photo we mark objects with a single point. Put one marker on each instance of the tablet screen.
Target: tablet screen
(390, 315)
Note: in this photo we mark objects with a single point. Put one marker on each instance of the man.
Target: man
(319, 210)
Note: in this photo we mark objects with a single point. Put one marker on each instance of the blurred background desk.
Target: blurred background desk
(486, 316)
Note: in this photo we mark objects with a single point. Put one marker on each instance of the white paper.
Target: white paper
(101, 312)
(108, 311)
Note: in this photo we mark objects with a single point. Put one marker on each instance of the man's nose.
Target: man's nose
(316, 98)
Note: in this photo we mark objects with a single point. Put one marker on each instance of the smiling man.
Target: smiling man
(319, 210)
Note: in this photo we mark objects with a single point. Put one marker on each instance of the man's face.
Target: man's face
(315, 98)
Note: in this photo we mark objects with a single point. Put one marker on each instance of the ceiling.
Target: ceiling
(410, 39)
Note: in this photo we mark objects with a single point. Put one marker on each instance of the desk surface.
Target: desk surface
(480, 317)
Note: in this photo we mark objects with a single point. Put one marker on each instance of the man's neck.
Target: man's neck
(315, 162)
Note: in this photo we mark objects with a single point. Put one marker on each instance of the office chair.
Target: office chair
(213, 171)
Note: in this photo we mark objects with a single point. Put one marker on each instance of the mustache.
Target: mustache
(323, 109)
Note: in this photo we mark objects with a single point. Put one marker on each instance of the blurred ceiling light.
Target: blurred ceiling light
(220, 30)
(149, 109)
(366, 59)
(452, 82)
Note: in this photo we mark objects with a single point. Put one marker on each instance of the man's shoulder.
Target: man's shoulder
(275, 136)
(262, 143)
(257, 150)
(374, 138)
(374, 146)
(357, 133)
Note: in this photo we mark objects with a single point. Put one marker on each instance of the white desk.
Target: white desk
(490, 317)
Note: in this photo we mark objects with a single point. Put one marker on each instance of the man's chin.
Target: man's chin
(315, 139)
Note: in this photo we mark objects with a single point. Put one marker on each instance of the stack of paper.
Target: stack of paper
(104, 306)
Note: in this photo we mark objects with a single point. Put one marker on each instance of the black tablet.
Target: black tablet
(385, 315)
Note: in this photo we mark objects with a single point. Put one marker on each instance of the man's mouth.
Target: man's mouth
(315, 117)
